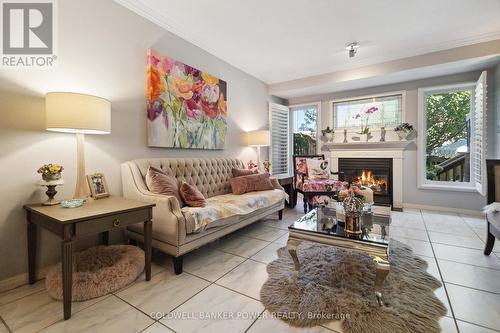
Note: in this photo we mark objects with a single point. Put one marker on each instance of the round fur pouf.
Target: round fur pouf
(334, 284)
(98, 271)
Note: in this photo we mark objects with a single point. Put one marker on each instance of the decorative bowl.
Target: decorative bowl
(51, 176)
(72, 203)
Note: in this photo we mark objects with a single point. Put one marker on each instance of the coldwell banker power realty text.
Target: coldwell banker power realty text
(28, 33)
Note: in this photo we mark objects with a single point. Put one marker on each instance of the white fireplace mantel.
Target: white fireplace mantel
(387, 145)
(393, 149)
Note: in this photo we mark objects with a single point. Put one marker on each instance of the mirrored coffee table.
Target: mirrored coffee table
(320, 225)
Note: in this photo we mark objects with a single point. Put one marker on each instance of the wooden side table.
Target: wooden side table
(287, 183)
(97, 216)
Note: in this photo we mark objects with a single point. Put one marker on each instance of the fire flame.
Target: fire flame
(377, 184)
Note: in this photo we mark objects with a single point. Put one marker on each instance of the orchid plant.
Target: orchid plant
(364, 119)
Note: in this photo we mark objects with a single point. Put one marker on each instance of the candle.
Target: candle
(368, 194)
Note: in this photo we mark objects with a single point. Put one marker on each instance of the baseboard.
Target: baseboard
(21, 280)
(444, 209)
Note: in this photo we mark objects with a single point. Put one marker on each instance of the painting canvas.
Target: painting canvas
(186, 107)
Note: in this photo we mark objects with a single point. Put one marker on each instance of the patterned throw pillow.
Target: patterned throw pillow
(318, 169)
(192, 196)
(160, 183)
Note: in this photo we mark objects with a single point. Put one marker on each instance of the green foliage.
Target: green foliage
(433, 171)
(310, 117)
(303, 144)
(446, 118)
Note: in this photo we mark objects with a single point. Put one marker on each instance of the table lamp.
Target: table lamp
(80, 114)
(258, 139)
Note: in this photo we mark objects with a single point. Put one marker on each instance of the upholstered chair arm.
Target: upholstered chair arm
(168, 220)
(169, 224)
(276, 184)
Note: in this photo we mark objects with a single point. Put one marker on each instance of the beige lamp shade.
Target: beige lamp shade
(77, 113)
(258, 138)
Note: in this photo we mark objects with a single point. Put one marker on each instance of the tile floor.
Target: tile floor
(226, 276)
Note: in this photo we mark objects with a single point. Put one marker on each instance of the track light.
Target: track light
(352, 48)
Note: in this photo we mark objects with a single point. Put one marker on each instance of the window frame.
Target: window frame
(355, 98)
(318, 125)
(423, 182)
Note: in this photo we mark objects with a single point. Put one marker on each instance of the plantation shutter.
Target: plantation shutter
(279, 119)
(479, 142)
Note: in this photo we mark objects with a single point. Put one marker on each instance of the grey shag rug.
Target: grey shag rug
(334, 284)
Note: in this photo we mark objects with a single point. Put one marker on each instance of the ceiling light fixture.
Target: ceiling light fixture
(352, 48)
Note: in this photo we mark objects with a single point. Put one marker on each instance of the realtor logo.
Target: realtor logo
(28, 30)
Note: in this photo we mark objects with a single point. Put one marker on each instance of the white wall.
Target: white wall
(412, 194)
(102, 51)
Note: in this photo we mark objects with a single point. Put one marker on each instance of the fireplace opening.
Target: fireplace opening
(375, 173)
(377, 182)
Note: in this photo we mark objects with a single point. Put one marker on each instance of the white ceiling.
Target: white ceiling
(281, 40)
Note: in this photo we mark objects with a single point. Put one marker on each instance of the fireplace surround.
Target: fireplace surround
(393, 150)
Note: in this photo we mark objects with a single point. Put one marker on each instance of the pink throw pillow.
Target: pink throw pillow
(192, 196)
(243, 172)
(160, 183)
(251, 183)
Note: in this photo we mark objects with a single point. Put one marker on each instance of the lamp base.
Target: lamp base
(258, 159)
(82, 188)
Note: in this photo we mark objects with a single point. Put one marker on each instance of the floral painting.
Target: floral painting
(186, 108)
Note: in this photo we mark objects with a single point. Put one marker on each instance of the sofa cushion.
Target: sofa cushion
(191, 196)
(251, 183)
(237, 172)
(227, 205)
(160, 183)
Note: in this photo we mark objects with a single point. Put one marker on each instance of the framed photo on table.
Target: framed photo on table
(98, 186)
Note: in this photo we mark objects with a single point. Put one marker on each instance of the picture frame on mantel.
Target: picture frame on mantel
(186, 107)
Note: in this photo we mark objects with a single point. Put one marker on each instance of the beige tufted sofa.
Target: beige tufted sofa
(211, 177)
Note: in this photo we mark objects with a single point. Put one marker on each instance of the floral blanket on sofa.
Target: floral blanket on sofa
(224, 206)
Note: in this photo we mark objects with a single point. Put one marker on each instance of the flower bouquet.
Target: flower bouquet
(353, 203)
(251, 165)
(404, 130)
(365, 130)
(50, 172)
(267, 166)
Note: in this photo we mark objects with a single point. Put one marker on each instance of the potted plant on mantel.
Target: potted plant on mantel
(404, 130)
(365, 130)
(328, 135)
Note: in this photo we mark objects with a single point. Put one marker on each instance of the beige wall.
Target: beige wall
(102, 49)
(411, 193)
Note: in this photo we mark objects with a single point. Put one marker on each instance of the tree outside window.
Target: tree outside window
(447, 136)
(305, 130)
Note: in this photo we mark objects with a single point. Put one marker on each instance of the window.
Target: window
(389, 111)
(279, 125)
(452, 136)
(305, 129)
